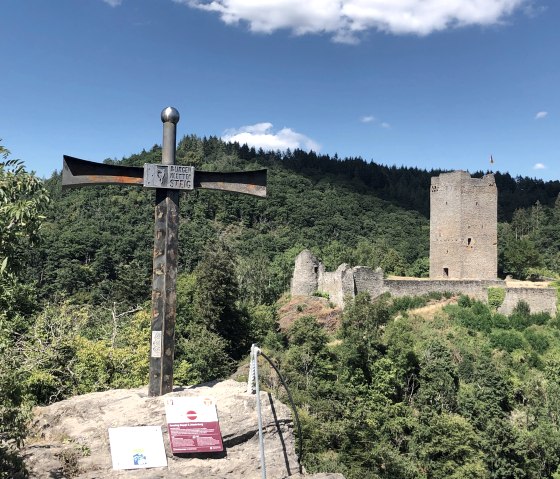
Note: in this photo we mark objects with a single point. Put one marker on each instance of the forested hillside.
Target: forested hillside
(344, 210)
(467, 393)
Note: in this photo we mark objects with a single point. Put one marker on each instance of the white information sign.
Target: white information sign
(193, 425)
(138, 447)
(156, 344)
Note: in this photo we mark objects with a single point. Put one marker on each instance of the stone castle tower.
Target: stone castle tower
(463, 227)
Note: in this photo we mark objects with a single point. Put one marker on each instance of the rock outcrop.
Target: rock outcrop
(70, 439)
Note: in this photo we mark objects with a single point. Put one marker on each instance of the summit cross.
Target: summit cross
(168, 179)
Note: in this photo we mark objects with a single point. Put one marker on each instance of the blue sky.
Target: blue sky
(427, 83)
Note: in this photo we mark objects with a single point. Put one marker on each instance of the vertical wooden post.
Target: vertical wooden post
(164, 298)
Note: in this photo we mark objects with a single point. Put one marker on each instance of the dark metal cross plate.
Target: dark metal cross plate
(76, 172)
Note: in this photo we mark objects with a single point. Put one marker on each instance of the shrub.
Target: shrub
(420, 268)
(476, 316)
(496, 297)
(263, 320)
(507, 340)
(539, 318)
(537, 339)
(522, 308)
(464, 301)
(204, 356)
(521, 319)
(321, 294)
(404, 303)
(500, 321)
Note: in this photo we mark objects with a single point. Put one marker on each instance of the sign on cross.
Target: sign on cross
(168, 179)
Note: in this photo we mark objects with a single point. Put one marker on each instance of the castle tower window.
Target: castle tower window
(469, 241)
(446, 272)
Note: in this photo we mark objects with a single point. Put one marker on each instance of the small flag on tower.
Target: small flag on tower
(491, 160)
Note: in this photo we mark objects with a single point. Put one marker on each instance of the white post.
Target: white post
(254, 378)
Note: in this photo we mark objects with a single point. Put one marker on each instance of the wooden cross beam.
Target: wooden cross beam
(168, 179)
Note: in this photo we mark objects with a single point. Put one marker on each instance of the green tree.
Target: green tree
(307, 357)
(215, 298)
(361, 331)
(22, 203)
(447, 447)
(202, 356)
(505, 456)
(23, 200)
(439, 379)
(519, 256)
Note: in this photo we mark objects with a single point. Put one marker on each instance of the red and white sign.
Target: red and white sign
(193, 425)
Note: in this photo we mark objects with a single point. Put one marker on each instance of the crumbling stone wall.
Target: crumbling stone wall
(345, 283)
(338, 284)
(463, 227)
(538, 299)
(369, 281)
(476, 289)
(304, 279)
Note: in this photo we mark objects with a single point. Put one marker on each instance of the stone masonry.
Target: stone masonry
(463, 227)
(304, 280)
(346, 282)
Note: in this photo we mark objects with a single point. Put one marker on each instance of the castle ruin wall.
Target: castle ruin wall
(337, 284)
(369, 281)
(476, 289)
(538, 299)
(310, 277)
(304, 279)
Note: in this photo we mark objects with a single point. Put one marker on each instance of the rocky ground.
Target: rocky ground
(69, 439)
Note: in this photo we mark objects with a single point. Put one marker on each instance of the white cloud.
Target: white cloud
(113, 3)
(540, 115)
(539, 166)
(533, 11)
(262, 135)
(372, 119)
(345, 20)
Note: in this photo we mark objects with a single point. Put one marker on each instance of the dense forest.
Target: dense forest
(393, 393)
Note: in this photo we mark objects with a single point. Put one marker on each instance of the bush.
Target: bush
(537, 339)
(263, 320)
(420, 268)
(202, 356)
(540, 318)
(522, 308)
(476, 316)
(521, 317)
(500, 321)
(464, 301)
(404, 303)
(496, 297)
(14, 414)
(321, 294)
(507, 340)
